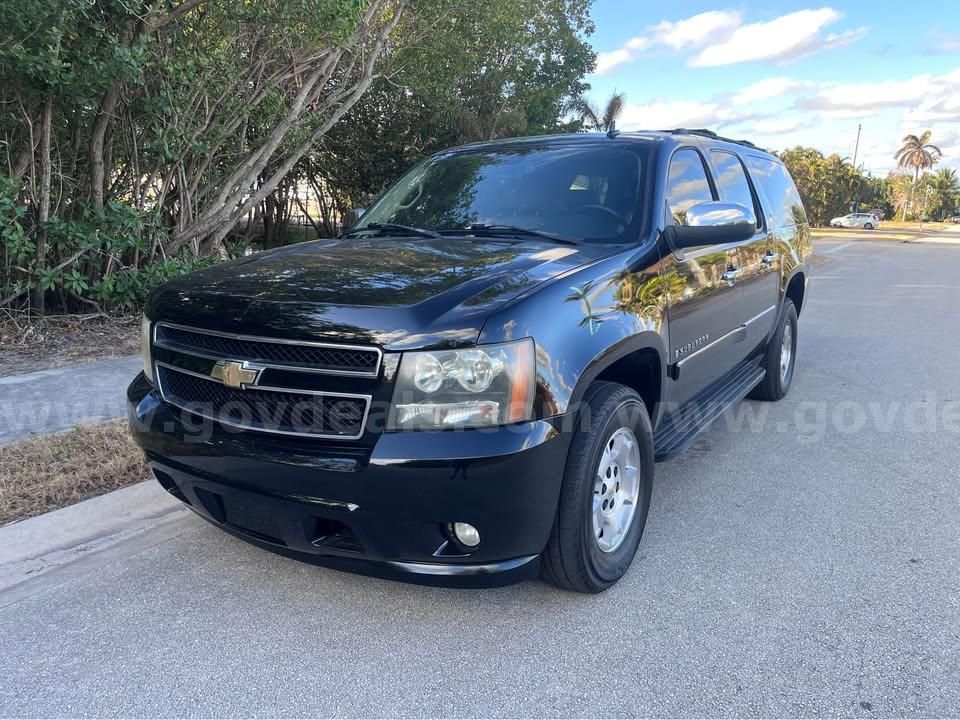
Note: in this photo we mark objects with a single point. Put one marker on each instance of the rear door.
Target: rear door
(785, 218)
(758, 281)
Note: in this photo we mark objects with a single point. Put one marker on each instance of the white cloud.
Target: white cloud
(695, 31)
(847, 114)
(607, 61)
(660, 114)
(777, 126)
(784, 38)
(921, 91)
(723, 39)
(945, 109)
(940, 43)
(768, 88)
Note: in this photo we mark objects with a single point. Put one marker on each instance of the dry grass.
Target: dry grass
(31, 342)
(52, 471)
(912, 226)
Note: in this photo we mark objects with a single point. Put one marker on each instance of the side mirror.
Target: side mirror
(351, 218)
(713, 223)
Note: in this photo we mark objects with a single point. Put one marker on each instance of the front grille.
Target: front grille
(342, 359)
(278, 411)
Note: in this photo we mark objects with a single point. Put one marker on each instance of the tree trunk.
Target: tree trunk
(97, 138)
(235, 196)
(43, 212)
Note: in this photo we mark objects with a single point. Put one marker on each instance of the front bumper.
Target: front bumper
(382, 510)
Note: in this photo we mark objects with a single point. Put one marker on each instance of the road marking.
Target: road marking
(936, 287)
(838, 247)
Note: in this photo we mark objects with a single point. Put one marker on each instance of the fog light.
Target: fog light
(466, 534)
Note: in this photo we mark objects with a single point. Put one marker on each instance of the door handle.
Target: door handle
(731, 275)
(770, 258)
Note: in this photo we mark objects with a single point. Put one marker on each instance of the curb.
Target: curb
(39, 552)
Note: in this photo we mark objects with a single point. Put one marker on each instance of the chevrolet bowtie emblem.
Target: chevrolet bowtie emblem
(235, 374)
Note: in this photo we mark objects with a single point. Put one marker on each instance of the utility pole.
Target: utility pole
(856, 145)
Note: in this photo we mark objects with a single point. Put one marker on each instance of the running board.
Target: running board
(678, 428)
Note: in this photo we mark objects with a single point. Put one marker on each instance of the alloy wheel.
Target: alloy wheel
(616, 489)
(786, 353)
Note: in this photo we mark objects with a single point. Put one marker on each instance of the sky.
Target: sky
(786, 73)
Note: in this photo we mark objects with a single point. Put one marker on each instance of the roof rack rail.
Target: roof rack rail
(710, 134)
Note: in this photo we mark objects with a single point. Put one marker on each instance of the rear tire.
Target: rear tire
(780, 357)
(592, 543)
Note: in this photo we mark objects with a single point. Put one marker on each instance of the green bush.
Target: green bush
(108, 260)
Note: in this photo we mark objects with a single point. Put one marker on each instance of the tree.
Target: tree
(917, 153)
(479, 73)
(138, 135)
(942, 193)
(900, 190)
(828, 185)
(592, 117)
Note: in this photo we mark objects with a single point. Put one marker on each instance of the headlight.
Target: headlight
(480, 386)
(145, 348)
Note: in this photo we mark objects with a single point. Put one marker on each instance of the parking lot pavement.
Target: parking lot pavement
(800, 560)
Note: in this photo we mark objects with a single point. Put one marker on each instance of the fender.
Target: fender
(607, 358)
(586, 321)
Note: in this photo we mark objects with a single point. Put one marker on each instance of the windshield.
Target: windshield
(590, 193)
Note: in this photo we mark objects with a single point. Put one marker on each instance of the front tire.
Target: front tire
(780, 357)
(868, 226)
(605, 497)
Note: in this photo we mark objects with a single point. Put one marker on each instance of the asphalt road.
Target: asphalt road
(805, 562)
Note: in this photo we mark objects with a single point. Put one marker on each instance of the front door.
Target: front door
(701, 286)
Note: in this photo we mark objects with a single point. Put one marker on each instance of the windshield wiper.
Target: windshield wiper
(388, 227)
(482, 229)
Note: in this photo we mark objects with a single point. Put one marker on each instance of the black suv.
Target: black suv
(474, 382)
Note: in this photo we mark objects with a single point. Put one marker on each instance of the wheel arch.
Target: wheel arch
(796, 289)
(638, 362)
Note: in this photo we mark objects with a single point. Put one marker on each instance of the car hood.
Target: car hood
(400, 293)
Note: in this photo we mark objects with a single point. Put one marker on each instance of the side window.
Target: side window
(732, 181)
(687, 183)
(778, 186)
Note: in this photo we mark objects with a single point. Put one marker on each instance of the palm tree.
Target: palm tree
(946, 181)
(917, 153)
(944, 185)
(592, 117)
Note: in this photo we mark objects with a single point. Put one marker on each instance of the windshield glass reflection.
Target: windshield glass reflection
(591, 193)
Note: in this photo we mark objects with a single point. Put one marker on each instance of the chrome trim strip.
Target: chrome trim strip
(691, 356)
(422, 568)
(363, 423)
(760, 315)
(276, 341)
(739, 328)
(336, 504)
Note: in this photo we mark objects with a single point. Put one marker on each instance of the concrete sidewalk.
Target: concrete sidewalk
(54, 400)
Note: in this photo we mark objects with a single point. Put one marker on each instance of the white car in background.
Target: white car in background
(867, 221)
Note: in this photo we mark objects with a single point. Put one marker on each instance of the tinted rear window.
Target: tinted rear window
(779, 188)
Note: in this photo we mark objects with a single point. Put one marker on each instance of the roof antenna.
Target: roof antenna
(612, 132)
